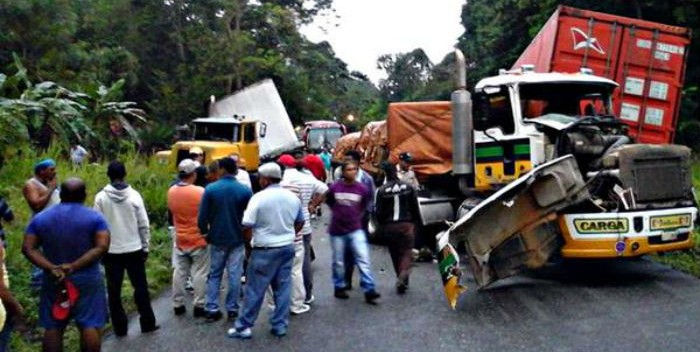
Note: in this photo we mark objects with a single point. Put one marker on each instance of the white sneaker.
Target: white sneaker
(301, 310)
(240, 334)
(310, 300)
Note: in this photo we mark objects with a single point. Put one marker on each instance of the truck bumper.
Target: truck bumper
(633, 234)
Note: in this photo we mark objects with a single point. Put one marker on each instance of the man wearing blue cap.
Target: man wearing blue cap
(41, 193)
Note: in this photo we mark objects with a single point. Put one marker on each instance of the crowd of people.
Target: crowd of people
(260, 242)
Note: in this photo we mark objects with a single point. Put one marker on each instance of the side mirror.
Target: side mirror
(263, 130)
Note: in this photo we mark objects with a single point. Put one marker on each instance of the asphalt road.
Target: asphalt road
(605, 306)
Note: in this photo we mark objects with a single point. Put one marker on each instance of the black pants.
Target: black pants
(400, 237)
(134, 265)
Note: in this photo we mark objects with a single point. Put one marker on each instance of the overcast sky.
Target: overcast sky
(367, 29)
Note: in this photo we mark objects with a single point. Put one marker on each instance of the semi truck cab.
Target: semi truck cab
(555, 173)
(219, 137)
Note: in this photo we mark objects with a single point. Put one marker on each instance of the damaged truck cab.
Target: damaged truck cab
(546, 169)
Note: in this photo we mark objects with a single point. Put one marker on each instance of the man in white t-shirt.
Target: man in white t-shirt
(78, 154)
(271, 221)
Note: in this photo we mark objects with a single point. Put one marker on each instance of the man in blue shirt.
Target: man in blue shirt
(271, 221)
(220, 215)
(67, 242)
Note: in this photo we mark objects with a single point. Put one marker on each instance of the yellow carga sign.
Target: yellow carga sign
(594, 226)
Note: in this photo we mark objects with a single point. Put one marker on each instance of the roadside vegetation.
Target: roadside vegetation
(149, 178)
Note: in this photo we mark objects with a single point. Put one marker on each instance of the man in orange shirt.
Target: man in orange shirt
(191, 254)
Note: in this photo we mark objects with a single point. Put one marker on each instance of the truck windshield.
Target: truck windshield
(227, 132)
(323, 138)
(571, 99)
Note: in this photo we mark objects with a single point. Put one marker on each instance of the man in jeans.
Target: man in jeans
(366, 179)
(271, 221)
(220, 216)
(125, 212)
(191, 253)
(348, 200)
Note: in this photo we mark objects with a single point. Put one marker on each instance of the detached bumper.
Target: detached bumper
(633, 234)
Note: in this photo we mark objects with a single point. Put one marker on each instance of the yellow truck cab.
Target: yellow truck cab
(219, 137)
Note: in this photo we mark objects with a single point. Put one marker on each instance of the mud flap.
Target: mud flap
(448, 263)
(516, 228)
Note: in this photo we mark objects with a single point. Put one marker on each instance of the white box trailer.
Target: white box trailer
(261, 102)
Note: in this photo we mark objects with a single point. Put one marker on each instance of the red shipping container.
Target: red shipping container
(620, 49)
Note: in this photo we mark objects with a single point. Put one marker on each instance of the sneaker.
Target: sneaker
(310, 300)
(301, 310)
(242, 334)
(231, 316)
(179, 310)
(279, 332)
(342, 294)
(213, 316)
(199, 312)
(371, 297)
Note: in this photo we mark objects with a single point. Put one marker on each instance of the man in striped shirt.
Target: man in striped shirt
(311, 192)
(397, 212)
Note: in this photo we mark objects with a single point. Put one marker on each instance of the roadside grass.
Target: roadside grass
(689, 260)
(149, 178)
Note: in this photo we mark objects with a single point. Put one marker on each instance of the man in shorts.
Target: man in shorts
(67, 242)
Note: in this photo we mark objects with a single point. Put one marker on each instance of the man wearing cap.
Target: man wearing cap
(311, 192)
(397, 212)
(405, 172)
(197, 155)
(125, 211)
(270, 222)
(72, 239)
(191, 253)
(41, 193)
(220, 216)
(315, 164)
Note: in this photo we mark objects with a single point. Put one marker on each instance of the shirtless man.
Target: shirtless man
(40, 191)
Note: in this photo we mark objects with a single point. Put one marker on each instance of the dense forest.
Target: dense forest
(76, 70)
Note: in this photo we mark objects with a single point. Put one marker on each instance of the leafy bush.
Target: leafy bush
(149, 178)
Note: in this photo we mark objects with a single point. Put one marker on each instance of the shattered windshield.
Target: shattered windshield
(227, 132)
(569, 99)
